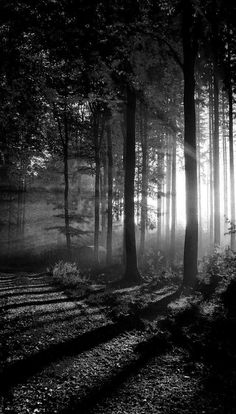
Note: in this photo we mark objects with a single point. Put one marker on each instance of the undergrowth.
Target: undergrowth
(69, 275)
(158, 270)
(205, 322)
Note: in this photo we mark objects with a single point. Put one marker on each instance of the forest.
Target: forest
(117, 206)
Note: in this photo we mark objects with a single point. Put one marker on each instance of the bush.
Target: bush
(229, 298)
(68, 275)
(217, 270)
(156, 269)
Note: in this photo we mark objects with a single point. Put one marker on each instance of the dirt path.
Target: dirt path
(62, 355)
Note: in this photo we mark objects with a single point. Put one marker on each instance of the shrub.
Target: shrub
(68, 275)
(217, 270)
(156, 269)
(229, 298)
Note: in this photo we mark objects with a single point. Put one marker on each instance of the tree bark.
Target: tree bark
(198, 136)
(103, 187)
(66, 189)
(216, 157)
(190, 155)
(144, 190)
(168, 195)
(97, 189)
(173, 204)
(110, 194)
(211, 209)
(159, 201)
(231, 151)
(131, 270)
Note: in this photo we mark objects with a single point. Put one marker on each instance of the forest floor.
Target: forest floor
(62, 353)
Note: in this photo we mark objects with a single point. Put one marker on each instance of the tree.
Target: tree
(110, 192)
(131, 270)
(190, 153)
(144, 189)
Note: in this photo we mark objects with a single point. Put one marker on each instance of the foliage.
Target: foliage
(204, 323)
(156, 268)
(228, 298)
(68, 275)
(217, 271)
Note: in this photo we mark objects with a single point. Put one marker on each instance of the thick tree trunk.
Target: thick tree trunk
(103, 187)
(131, 269)
(144, 191)
(138, 182)
(66, 189)
(159, 202)
(225, 158)
(216, 157)
(97, 191)
(231, 151)
(190, 155)
(173, 204)
(231, 160)
(110, 193)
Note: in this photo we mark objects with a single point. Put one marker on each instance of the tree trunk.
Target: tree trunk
(168, 194)
(211, 174)
(144, 190)
(198, 133)
(131, 270)
(216, 157)
(66, 189)
(103, 187)
(138, 182)
(225, 158)
(190, 155)
(231, 151)
(173, 205)
(159, 201)
(97, 192)
(110, 193)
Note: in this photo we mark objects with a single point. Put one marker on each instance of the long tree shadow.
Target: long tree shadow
(7, 277)
(105, 388)
(19, 287)
(12, 306)
(7, 284)
(40, 324)
(45, 313)
(21, 370)
(29, 293)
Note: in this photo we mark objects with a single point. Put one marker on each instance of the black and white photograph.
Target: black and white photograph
(117, 207)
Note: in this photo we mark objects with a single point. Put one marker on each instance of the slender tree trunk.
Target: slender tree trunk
(173, 204)
(225, 159)
(163, 204)
(159, 201)
(144, 187)
(168, 193)
(131, 269)
(198, 128)
(211, 172)
(123, 125)
(190, 155)
(110, 193)
(216, 156)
